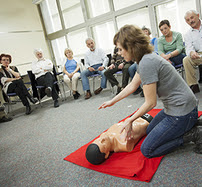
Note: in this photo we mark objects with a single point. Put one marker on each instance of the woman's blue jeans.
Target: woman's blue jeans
(86, 73)
(132, 70)
(165, 133)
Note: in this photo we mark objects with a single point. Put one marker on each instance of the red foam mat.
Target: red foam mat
(131, 165)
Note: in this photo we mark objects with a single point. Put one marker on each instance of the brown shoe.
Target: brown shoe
(98, 91)
(88, 95)
(195, 88)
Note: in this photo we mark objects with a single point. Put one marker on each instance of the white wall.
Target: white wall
(21, 32)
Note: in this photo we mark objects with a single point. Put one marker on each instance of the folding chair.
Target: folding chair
(7, 99)
(39, 91)
(180, 69)
(60, 82)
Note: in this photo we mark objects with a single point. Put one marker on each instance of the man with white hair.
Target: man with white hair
(193, 44)
(42, 68)
(95, 62)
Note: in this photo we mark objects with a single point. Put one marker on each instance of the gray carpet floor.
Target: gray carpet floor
(32, 147)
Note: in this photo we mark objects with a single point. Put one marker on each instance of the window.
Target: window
(77, 43)
(59, 46)
(119, 4)
(174, 11)
(72, 12)
(50, 15)
(135, 18)
(97, 8)
(200, 13)
(104, 34)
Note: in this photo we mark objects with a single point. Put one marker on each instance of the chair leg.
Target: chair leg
(112, 89)
(182, 72)
(93, 84)
(70, 93)
(64, 91)
(10, 109)
(38, 91)
(61, 92)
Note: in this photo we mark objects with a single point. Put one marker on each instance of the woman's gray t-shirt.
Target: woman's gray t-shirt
(178, 99)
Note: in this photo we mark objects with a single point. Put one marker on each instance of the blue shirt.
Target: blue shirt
(70, 65)
(154, 42)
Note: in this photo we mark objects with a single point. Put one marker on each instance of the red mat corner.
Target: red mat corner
(131, 165)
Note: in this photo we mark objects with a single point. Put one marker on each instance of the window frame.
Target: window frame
(111, 15)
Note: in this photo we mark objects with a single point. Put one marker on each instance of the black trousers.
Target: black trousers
(18, 87)
(125, 77)
(48, 80)
(200, 73)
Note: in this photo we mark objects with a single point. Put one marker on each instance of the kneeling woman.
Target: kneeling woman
(171, 127)
(12, 82)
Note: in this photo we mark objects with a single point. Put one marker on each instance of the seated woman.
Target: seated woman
(42, 68)
(113, 141)
(71, 73)
(12, 82)
(170, 45)
(153, 41)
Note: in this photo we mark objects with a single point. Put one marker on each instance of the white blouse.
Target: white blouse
(39, 67)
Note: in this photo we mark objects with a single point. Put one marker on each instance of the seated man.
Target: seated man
(95, 61)
(118, 63)
(113, 141)
(193, 39)
(3, 115)
(42, 68)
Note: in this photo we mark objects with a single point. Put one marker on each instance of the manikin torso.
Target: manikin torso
(113, 140)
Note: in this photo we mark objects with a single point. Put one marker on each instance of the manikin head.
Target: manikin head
(97, 152)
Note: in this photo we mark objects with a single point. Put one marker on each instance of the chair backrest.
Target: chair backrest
(56, 78)
(81, 65)
(82, 61)
(110, 58)
(55, 73)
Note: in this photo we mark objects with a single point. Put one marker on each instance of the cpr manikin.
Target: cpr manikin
(113, 141)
